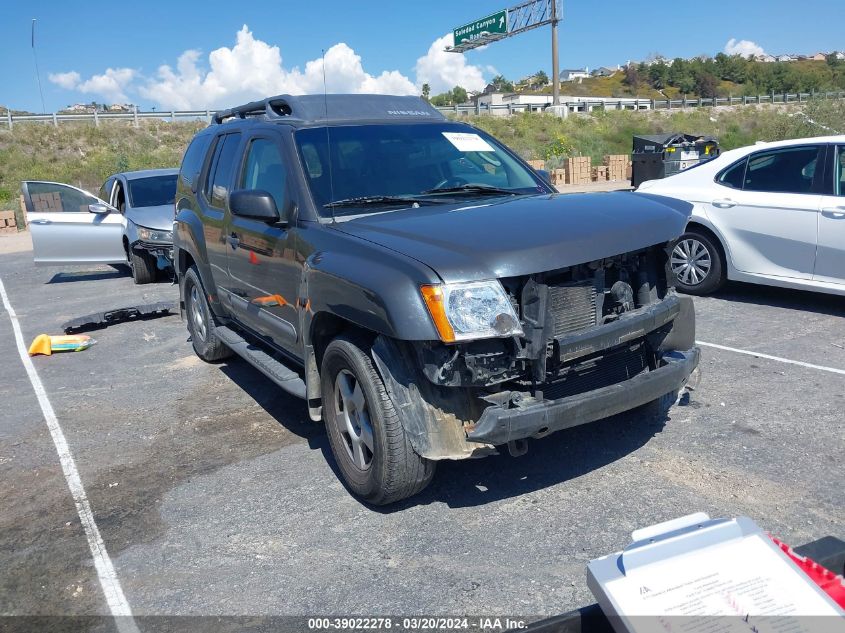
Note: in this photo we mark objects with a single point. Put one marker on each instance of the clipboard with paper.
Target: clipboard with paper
(716, 575)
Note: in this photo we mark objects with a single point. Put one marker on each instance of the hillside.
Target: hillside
(84, 155)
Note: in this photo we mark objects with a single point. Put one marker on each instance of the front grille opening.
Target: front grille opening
(609, 368)
(573, 307)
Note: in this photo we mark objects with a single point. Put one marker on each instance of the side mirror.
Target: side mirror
(547, 178)
(99, 208)
(254, 203)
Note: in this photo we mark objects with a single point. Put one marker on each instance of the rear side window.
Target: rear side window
(788, 170)
(220, 175)
(192, 160)
(734, 175)
(264, 169)
(839, 171)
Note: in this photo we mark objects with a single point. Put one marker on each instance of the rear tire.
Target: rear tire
(697, 263)
(372, 451)
(201, 320)
(142, 265)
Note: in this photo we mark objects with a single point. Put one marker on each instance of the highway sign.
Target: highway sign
(497, 23)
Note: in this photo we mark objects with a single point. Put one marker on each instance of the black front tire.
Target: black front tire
(200, 320)
(394, 471)
(696, 247)
(143, 266)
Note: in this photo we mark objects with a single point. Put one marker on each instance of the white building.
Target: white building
(500, 104)
(572, 74)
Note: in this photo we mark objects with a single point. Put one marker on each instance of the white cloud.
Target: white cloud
(252, 69)
(111, 85)
(746, 48)
(68, 81)
(443, 71)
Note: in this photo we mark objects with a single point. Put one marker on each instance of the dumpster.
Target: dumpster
(661, 155)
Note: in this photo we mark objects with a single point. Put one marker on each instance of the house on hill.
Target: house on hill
(604, 71)
(571, 74)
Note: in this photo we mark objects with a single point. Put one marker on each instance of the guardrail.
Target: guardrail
(585, 105)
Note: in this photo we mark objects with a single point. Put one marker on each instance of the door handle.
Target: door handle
(39, 221)
(835, 213)
(724, 203)
(233, 240)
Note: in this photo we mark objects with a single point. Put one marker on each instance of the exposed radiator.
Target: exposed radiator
(573, 307)
(599, 371)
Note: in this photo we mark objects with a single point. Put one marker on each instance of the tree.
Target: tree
(426, 91)
(706, 85)
(459, 95)
(632, 77)
(658, 75)
(541, 78)
(502, 84)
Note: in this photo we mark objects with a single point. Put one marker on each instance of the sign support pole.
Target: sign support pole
(555, 63)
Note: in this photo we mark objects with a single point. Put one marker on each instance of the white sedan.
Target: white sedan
(772, 213)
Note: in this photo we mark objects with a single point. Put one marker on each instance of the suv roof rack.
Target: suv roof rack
(308, 109)
(272, 107)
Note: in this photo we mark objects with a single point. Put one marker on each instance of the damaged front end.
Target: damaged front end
(599, 338)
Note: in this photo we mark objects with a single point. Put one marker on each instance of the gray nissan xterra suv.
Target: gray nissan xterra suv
(427, 292)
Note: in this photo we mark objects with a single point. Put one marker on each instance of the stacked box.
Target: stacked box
(7, 222)
(537, 164)
(617, 166)
(599, 173)
(577, 170)
(46, 202)
(558, 177)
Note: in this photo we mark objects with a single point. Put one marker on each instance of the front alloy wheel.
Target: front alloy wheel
(352, 417)
(371, 449)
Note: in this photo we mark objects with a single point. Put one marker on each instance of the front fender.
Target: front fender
(378, 295)
(188, 236)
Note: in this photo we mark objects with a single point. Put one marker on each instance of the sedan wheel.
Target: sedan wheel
(691, 261)
(697, 263)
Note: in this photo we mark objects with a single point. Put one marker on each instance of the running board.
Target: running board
(279, 373)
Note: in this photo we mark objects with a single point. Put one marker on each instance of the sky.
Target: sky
(197, 54)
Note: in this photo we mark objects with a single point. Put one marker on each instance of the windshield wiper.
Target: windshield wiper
(482, 189)
(364, 200)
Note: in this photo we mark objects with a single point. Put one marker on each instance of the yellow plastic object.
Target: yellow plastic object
(46, 344)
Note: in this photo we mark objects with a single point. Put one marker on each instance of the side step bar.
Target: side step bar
(279, 373)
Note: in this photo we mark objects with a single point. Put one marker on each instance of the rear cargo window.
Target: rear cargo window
(193, 159)
(220, 175)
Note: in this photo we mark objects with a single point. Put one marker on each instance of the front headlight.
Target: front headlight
(464, 311)
(155, 235)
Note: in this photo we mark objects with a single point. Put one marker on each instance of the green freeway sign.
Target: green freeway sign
(495, 23)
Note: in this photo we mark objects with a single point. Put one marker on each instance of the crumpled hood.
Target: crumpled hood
(160, 218)
(485, 239)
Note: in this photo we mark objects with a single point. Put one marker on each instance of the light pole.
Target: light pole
(37, 72)
(555, 64)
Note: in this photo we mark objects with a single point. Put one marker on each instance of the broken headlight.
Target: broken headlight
(474, 310)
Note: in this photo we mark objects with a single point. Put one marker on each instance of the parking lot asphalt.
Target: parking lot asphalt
(215, 495)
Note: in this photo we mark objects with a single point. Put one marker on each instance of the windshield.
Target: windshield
(406, 161)
(154, 191)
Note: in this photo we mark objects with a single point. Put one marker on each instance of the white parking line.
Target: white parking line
(118, 606)
(789, 361)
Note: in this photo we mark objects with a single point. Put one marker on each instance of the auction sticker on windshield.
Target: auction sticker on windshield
(465, 142)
